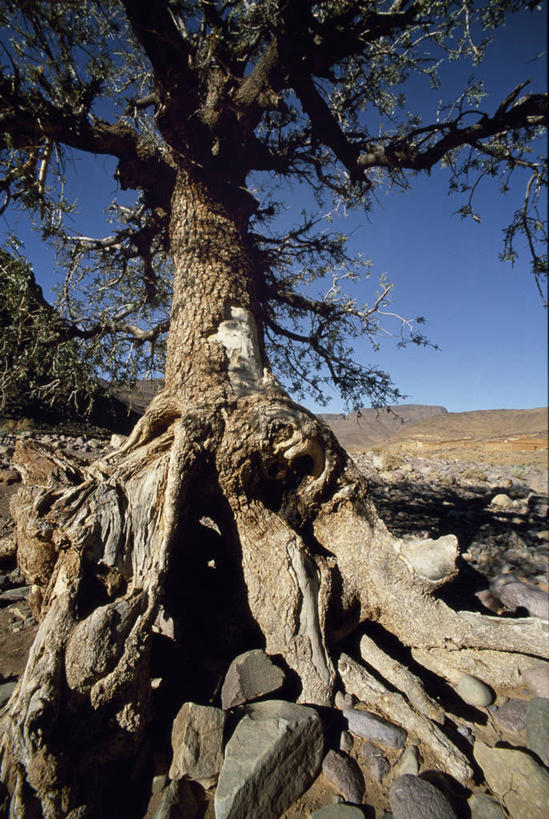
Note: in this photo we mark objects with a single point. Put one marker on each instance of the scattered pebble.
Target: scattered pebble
(344, 774)
(369, 726)
(439, 496)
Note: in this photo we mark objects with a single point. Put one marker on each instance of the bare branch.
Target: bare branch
(324, 124)
(529, 112)
(117, 327)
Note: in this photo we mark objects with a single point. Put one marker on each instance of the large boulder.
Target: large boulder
(250, 676)
(271, 759)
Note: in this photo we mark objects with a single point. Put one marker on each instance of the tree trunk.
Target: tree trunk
(230, 519)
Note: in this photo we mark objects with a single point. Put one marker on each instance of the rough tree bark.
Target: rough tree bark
(223, 470)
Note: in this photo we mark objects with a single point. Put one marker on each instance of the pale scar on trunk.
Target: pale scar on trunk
(238, 335)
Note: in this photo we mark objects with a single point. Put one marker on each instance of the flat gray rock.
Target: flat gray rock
(370, 726)
(6, 690)
(411, 797)
(519, 781)
(483, 806)
(346, 741)
(408, 762)
(197, 743)
(17, 595)
(368, 750)
(526, 596)
(536, 679)
(345, 775)
(537, 727)
(512, 715)
(250, 675)
(272, 757)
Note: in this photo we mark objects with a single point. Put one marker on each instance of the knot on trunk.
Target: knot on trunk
(290, 461)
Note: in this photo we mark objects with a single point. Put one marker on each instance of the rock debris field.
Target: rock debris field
(252, 752)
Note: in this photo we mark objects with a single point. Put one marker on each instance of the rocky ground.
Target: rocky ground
(497, 511)
(370, 765)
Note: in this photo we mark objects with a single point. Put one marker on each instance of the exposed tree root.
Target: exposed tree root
(261, 490)
(402, 679)
(395, 707)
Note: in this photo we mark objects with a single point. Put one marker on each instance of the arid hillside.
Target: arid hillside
(141, 395)
(425, 428)
(364, 429)
(480, 425)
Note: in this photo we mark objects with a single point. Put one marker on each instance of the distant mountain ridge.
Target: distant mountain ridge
(432, 423)
(369, 427)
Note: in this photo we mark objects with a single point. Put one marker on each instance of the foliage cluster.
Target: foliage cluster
(40, 364)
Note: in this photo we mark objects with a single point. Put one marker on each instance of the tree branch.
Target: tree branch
(252, 96)
(117, 328)
(161, 32)
(156, 27)
(324, 124)
(299, 302)
(26, 118)
(529, 112)
(302, 48)
(340, 36)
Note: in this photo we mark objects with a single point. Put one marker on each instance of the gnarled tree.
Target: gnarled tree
(192, 99)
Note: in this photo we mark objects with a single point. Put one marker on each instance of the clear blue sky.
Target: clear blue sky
(486, 316)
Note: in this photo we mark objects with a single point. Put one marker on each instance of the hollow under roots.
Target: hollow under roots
(209, 532)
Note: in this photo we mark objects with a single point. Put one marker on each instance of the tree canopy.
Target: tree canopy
(252, 95)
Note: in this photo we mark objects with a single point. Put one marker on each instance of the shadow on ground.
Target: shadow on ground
(491, 540)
